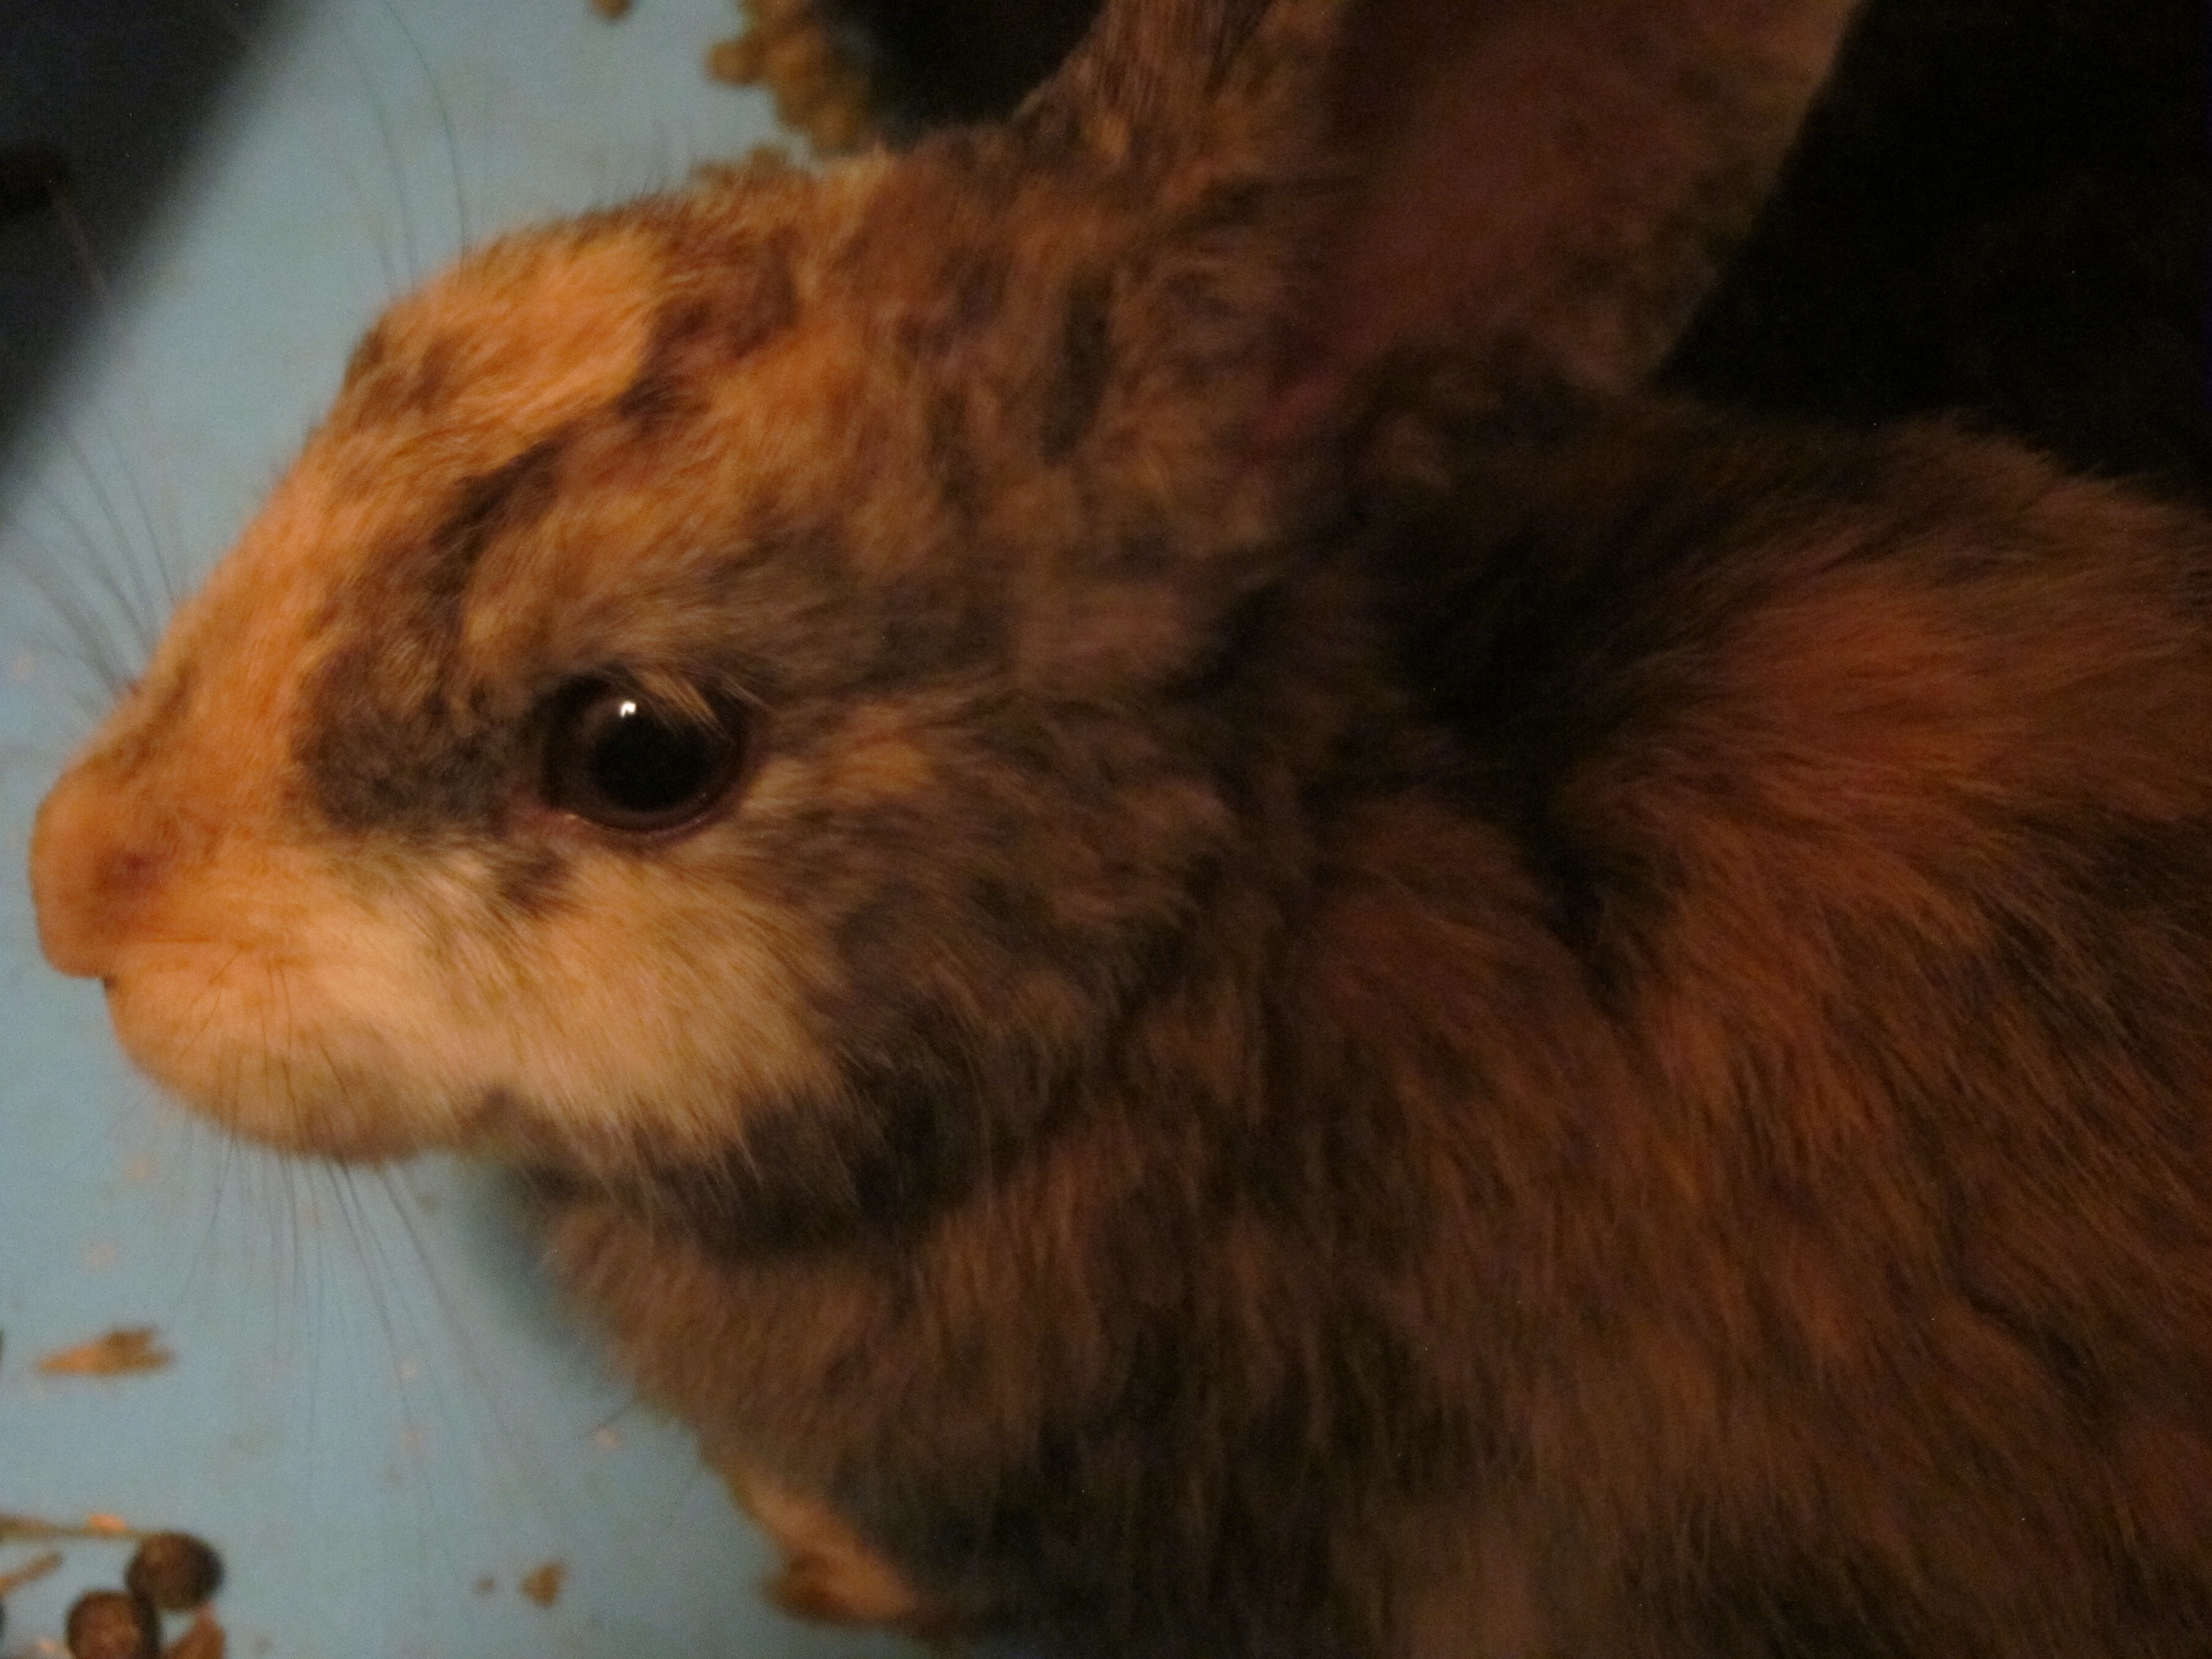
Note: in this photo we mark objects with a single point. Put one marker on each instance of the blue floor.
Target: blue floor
(373, 1411)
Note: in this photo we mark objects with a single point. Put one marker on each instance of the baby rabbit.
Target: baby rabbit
(1213, 957)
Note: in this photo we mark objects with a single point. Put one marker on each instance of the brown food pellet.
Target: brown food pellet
(612, 10)
(112, 1624)
(174, 1571)
(542, 1584)
(204, 1639)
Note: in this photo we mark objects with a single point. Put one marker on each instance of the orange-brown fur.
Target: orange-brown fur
(1351, 1001)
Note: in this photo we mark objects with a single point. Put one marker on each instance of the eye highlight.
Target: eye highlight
(629, 760)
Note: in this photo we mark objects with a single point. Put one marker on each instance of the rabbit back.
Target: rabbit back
(1868, 781)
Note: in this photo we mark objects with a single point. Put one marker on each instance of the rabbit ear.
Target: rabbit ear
(1163, 298)
(1546, 187)
(1154, 82)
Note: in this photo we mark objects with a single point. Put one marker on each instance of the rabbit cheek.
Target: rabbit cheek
(622, 1021)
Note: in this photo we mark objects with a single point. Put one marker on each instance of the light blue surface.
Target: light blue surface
(374, 1406)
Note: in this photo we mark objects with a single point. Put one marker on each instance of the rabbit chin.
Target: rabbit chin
(311, 1084)
(328, 1061)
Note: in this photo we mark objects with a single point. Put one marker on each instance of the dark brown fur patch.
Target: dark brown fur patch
(1762, 1601)
(506, 500)
(379, 758)
(381, 384)
(655, 400)
(1072, 398)
(750, 298)
(976, 284)
(958, 297)
(393, 741)
(531, 883)
(953, 463)
(367, 354)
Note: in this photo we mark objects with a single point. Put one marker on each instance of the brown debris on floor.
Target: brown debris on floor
(543, 1584)
(119, 1352)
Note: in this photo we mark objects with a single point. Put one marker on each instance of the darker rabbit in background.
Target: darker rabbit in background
(1208, 950)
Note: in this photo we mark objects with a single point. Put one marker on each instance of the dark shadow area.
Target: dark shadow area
(2001, 209)
(948, 61)
(112, 90)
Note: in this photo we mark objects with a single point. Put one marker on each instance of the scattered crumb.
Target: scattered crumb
(30, 1573)
(139, 1168)
(31, 1529)
(612, 10)
(542, 1584)
(607, 1439)
(485, 1585)
(203, 1638)
(124, 1350)
(821, 89)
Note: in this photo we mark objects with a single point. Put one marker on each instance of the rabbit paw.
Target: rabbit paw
(831, 1574)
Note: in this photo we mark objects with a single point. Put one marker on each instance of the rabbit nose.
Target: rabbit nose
(96, 867)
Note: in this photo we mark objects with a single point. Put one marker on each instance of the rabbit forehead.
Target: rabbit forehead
(524, 334)
(547, 326)
(786, 426)
(527, 456)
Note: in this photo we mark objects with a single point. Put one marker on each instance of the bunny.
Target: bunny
(1211, 950)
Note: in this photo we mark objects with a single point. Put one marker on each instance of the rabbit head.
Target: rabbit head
(753, 682)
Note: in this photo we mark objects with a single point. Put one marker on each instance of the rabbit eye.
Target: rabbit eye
(617, 757)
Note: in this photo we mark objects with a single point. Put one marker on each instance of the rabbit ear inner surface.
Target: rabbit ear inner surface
(1545, 189)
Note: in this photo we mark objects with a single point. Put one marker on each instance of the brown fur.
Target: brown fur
(1353, 1003)
(1812, 1168)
